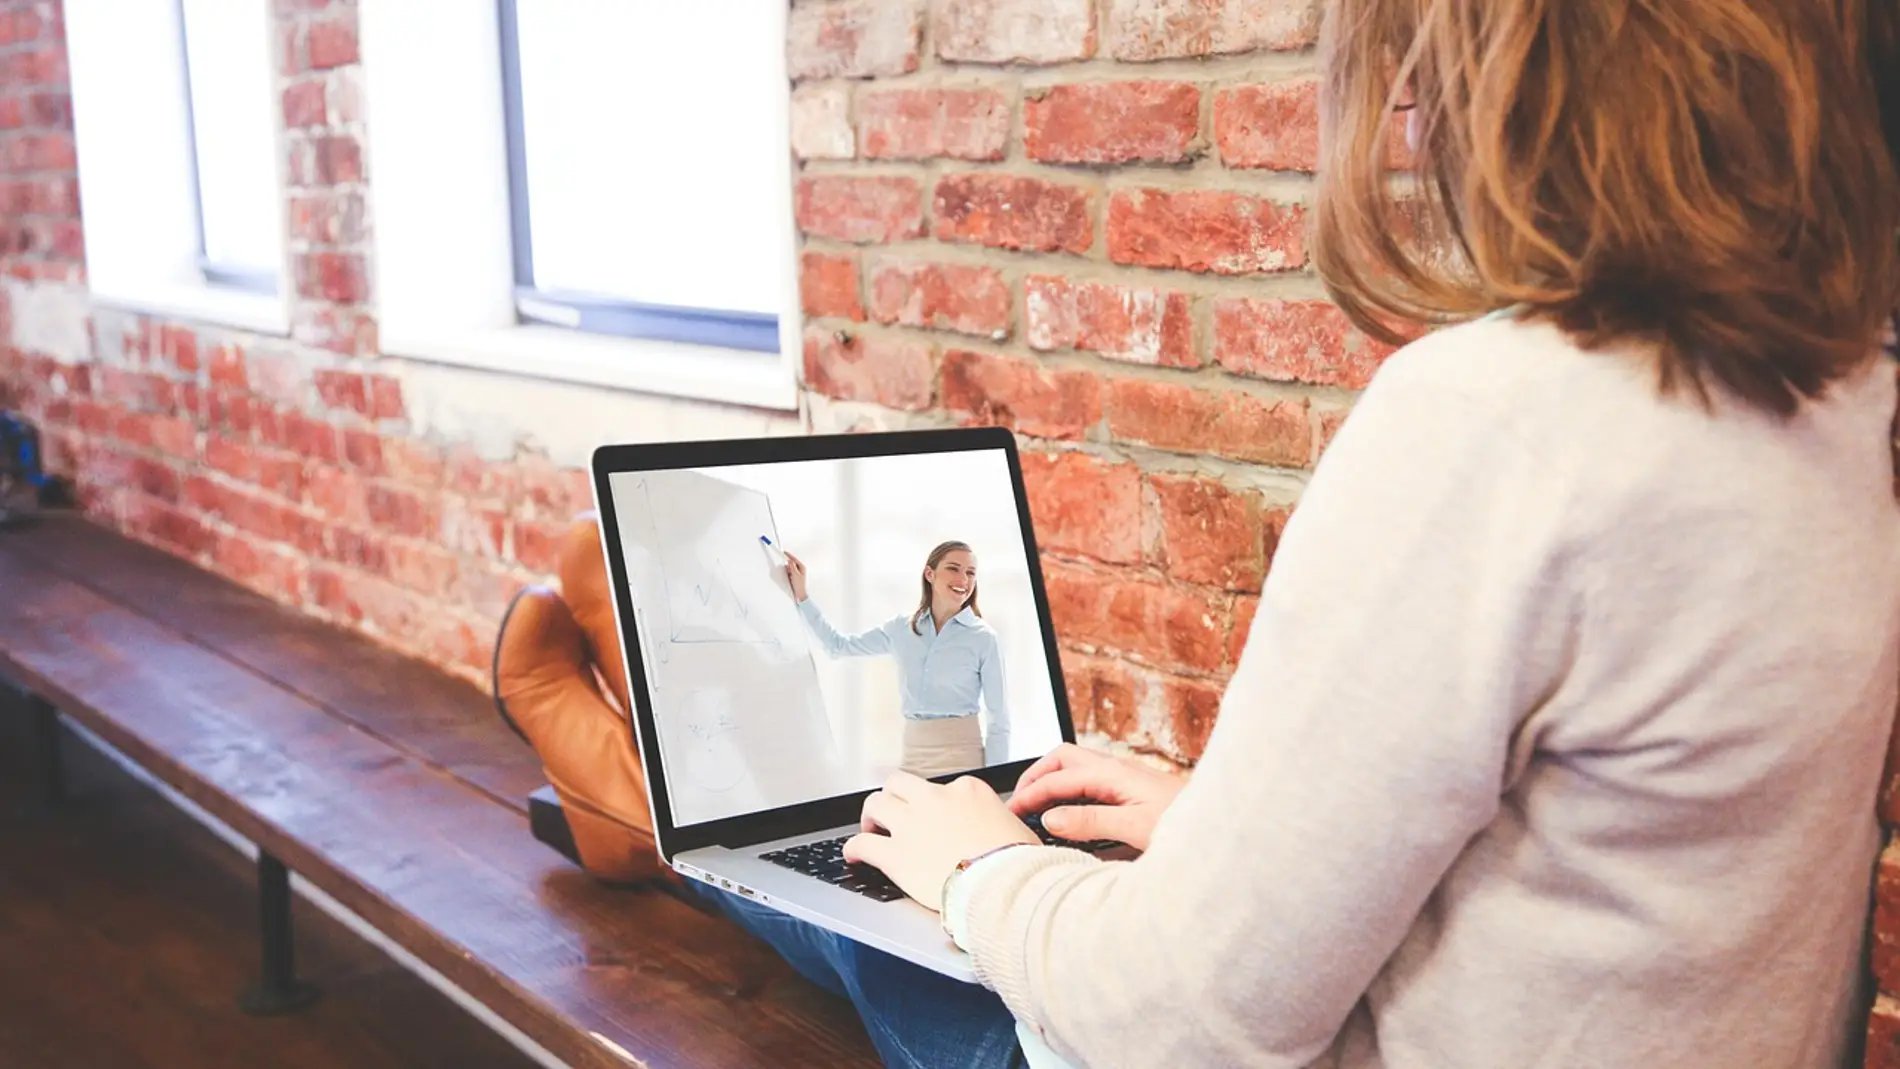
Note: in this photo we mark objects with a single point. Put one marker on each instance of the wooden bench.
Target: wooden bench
(393, 789)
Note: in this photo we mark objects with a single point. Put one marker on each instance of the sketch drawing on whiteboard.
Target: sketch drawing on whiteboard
(735, 691)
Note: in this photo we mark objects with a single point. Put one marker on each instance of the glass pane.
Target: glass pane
(652, 175)
(227, 48)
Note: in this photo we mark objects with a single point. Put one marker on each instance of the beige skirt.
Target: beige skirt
(942, 745)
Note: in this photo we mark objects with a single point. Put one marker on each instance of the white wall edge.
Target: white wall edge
(328, 905)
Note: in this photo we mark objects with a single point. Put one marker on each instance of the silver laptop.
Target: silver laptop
(763, 722)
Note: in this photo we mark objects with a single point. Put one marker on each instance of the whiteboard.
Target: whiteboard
(736, 702)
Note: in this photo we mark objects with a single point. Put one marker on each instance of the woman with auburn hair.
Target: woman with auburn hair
(1557, 736)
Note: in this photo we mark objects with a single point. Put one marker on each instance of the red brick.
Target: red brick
(1141, 30)
(329, 591)
(854, 38)
(311, 438)
(1139, 326)
(332, 42)
(343, 390)
(168, 526)
(339, 330)
(179, 347)
(1006, 391)
(385, 398)
(457, 643)
(965, 298)
(413, 462)
(486, 587)
(332, 276)
(1269, 126)
(1209, 533)
(51, 152)
(828, 286)
(174, 436)
(915, 124)
(1226, 423)
(1205, 230)
(1101, 695)
(304, 105)
(1329, 421)
(421, 567)
(821, 122)
(1244, 609)
(270, 571)
(54, 196)
(893, 372)
(1155, 624)
(363, 452)
(1013, 31)
(487, 480)
(1192, 707)
(1113, 122)
(232, 413)
(860, 209)
(358, 549)
(401, 512)
(1084, 505)
(227, 368)
(50, 109)
(537, 545)
(327, 218)
(12, 113)
(473, 529)
(1294, 341)
(1013, 212)
(342, 496)
(336, 160)
(1886, 932)
(155, 479)
(1883, 1034)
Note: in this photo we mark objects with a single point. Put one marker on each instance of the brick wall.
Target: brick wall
(1082, 219)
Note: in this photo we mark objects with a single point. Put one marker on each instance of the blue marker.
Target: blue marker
(767, 543)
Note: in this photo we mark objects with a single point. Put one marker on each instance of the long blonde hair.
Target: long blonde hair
(930, 565)
(1706, 176)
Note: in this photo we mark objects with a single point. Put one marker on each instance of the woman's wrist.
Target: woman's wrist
(950, 903)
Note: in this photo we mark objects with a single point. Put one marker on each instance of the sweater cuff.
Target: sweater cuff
(998, 907)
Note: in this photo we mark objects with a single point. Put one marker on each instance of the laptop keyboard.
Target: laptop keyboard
(824, 860)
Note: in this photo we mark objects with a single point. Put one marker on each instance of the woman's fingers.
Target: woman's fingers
(868, 848)
(1068, 785)
(1067, 755)
(1086, 823)
(883, 811)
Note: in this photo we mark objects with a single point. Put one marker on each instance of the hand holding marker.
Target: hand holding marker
(794, 568)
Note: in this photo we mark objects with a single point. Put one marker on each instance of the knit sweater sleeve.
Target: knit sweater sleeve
(1420, 606)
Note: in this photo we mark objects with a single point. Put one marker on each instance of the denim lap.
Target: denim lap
(916, 1018)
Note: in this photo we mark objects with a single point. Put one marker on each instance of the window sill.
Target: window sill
(265, 313)
(673, 369)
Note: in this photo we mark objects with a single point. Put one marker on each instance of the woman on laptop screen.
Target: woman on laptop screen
(948, 661)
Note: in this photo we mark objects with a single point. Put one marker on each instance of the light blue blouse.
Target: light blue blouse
(939, 673)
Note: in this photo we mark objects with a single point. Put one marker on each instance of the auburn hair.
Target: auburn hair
(936, 557)
(1708, 177)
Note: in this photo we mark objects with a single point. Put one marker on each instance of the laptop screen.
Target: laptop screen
(916, 643)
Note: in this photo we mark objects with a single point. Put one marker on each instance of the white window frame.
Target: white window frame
(443, 237)
(138, 187)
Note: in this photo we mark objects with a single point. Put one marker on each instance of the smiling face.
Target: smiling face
(952, 581)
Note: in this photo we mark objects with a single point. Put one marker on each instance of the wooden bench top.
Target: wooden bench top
(395, 789)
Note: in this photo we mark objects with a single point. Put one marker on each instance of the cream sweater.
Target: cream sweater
(1555, 743)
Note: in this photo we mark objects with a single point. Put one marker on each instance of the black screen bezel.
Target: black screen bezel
(767, 825)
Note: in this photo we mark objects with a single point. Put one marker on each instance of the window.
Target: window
(614, 217)
(633, 179)
(233, 142)
(180, 165)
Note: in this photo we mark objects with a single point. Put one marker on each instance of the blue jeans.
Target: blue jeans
(917, 1019)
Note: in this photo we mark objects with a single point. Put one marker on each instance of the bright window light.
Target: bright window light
(228, 62)
(648, 170)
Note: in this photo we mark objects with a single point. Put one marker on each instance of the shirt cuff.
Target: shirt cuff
(994, 904)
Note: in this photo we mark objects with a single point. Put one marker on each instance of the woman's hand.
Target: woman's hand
(930, 827)
(795, 575)
(1130, 796)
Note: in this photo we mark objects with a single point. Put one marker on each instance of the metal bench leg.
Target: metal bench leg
(49, 761)
(278, 990)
